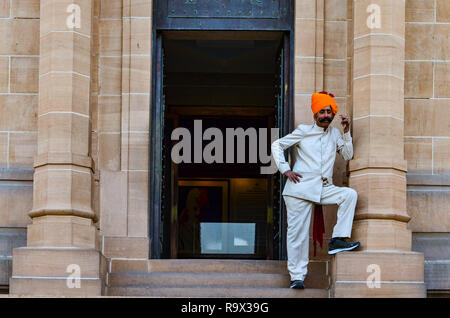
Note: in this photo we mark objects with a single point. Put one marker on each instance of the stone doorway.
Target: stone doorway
(223, 71)
(224, 208)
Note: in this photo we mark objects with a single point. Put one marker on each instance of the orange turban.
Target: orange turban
(322, 100)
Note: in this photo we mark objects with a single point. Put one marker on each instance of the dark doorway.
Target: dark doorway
(220, 80)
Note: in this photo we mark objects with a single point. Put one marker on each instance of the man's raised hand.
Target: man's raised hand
(345, 122)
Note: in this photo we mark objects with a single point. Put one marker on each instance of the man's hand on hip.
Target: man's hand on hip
(293, 176)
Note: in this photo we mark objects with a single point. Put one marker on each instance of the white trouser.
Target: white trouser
(299, 219)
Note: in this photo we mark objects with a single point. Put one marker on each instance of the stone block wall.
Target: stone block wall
(323, 61)
(19, 75)
(121, 128)
(120, 96)
(427, 135)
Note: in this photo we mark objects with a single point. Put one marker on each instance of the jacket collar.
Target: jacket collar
(320, 129)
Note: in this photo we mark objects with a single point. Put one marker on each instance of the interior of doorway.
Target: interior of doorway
(225, 80)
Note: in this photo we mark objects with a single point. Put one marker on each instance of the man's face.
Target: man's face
(324, 117)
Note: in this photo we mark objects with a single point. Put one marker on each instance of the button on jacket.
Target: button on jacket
(316, 152)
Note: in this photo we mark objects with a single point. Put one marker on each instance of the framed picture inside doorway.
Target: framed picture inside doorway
(203, 200)
(200, 203)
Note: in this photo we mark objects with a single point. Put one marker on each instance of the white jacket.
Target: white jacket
(316, 152)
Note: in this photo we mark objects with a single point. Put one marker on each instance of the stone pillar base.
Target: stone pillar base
(378, 274)
(382, 234)
(61, 231)
(65, 271)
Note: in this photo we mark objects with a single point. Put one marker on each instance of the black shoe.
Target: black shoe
(338, 245)
(297, 284)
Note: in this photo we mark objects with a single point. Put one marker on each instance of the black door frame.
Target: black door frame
(163, 22)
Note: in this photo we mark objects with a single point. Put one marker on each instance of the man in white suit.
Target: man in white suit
(311, 181)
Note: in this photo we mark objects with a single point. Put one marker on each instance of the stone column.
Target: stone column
(60, 257)
(385, 265)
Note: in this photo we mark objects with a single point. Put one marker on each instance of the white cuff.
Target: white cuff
(284, 167)
(347, 136)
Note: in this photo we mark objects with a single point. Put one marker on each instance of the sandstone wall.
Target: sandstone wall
(19, 75)
(120, 99)
(323, 61)
(427, 134)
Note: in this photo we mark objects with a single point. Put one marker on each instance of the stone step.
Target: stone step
(392, 266)
(55, 287)
(210, 266)
(250, 280)
(216, 292)
(55, 262)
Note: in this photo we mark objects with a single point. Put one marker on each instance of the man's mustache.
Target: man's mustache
(328, 119)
